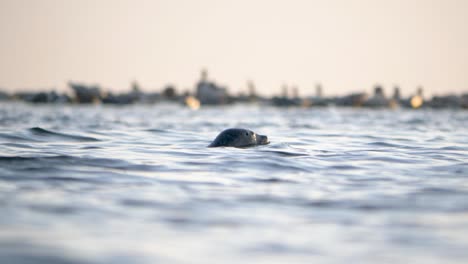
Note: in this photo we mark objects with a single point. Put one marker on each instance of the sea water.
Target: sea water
(137, 184)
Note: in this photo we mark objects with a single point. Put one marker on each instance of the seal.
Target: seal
(239, 138)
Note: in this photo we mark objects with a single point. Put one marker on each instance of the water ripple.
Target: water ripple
(50, 135)
(139, 181)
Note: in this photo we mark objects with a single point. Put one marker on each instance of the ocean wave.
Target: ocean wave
(44, 133)
(15, 137)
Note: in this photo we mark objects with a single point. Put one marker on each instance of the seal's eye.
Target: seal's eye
(246, 133)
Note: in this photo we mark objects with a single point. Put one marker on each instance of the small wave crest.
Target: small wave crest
(37, 131)
(15, 138)
(16, 163)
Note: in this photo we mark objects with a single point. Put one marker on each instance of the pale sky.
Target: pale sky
(346, 45)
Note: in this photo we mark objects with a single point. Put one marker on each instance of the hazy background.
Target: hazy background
(345, 45)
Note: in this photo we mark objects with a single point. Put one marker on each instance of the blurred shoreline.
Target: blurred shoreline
(210, 93)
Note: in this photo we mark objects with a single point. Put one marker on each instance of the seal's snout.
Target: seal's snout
(262, 140)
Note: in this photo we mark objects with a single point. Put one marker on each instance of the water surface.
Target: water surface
(137, 184)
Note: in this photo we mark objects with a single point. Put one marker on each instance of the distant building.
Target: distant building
(209, 93)
(420, 91)
(447, 101)
(354, 99)
(252, 91)
(318, 90)
(396, 93)
(170, 92)
(285, 99)
(86, 94)
(135, 87)
(42, 97)
(378, 99)
(4, 96)
(318, 99)
(295, 92)
(284, 91)
(464, 101)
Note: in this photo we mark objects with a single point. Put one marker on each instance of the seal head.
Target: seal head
(239, 138)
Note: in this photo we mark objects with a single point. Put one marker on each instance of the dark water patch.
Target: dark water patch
(182, 221)
(440, 191)
(200, 166)
(415, 121)
(55, 209)
(373, 207)
(330, 135)
(453, 148)
(24, 162)
(371, 179)
(11, 159)
(363, 151)
(365, 205)
(286, 153)
(392, 160)
(343, 167)
(460, 169)
(423, 152)
(274, 165)
(402, 139)
(135, 203)
(14, 252)
(386, 144)
(359, 205)
(38, 169)
(55, 177)
(15, 137)
(52, 162)
(320, 203)
(68, 179)
(208, 124)
(18, 145)
(179, 220)
(37, 131)
(305, 126)
(28, 258)
(199, 163)
(436, 139)
(185, 183)
(329, 155)
(157, 130)
(91, 147)
(271, 199)
(445, 157)
(118, 164)
(273, 180)
(381, 138)
(278, 248)
(376, 138)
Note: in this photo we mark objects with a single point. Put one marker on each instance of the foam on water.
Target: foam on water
(137, 184)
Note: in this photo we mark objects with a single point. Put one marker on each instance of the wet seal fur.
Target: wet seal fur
(238, 138)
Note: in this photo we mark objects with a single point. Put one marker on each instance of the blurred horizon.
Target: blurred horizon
(346, 46)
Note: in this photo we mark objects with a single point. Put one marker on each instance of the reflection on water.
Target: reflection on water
(137, 184)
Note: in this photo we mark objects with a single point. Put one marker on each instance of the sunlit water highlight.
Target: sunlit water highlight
(137, 184)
